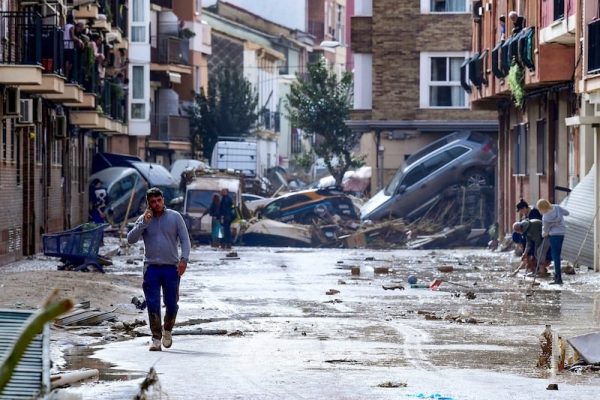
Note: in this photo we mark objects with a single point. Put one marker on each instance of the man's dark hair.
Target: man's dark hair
(154, 192)
(522, 204)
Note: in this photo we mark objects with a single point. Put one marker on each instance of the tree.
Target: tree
(319, 104)
(227, 108)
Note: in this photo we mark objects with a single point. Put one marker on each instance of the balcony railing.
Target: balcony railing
(21, 41)
(593, 40)
(53, 50)
(169, 128)
(84, 70)
(119, 16)
(173, 50)
(113, 100)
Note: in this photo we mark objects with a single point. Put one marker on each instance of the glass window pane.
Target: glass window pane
(137, 82)
(138, 111)
(438, 69)
(137, 10)
(440, 96)
(448, 5)
(138, 34)
(455, 63)
(458, 97)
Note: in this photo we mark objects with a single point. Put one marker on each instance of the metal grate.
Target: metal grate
(31, 378)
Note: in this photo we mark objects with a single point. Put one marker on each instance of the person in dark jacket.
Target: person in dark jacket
(226, 214)
(214, 211)
(532, 232)
(526, 212)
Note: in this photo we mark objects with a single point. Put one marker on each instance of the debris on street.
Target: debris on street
(70, 377)
(587, 346)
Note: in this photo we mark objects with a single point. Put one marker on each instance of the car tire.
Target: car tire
(476, 177)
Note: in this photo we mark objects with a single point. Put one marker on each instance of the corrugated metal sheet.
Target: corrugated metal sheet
(582, 206)
(32, 375)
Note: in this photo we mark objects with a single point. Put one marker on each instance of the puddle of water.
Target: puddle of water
(81, 357)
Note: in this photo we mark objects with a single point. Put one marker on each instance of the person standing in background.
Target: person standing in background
(553, 226)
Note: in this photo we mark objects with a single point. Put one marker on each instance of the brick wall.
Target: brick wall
(399, 34)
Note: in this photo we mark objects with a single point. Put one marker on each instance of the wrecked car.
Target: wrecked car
(198, 196)
(126, 189)
(309, 206)
(465, 157)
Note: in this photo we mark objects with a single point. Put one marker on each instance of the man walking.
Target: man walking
(161, 230)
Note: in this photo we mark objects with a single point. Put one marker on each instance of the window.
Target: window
(541, 146)
(339, 24)
(138, 21)
(559, 9)
(520, 149)
(138, 102)
(440, 80)
(444, 6)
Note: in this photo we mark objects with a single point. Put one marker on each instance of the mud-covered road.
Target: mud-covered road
(288, 339)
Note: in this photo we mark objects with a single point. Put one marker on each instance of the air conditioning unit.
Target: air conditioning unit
(12, 101)
(60, 131)
(26, 111)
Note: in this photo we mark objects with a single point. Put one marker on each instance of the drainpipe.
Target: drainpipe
(379, 160)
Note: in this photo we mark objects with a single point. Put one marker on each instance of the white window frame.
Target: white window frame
(425, 78)
(145, 7)
(143, 99)
(426, 8)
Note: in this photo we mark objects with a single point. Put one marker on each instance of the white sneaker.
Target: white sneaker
(155, 346)
(167, 339)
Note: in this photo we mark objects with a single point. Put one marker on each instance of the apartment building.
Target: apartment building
(407, 90)
(179, 48)
(523, 67)
(582, 18)
(61, 95)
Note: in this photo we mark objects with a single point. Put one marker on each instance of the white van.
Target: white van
(236, 155)
(198, 196)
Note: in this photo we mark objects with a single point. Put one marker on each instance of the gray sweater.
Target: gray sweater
(160, 236)
(554, 223)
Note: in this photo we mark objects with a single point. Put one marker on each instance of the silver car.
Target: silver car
(459, 158)
(126, 190)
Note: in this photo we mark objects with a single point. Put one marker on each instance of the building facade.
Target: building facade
(524, 69)
(61, 95)
(407, 92)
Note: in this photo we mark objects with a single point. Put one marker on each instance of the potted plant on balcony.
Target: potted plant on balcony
(516, 83)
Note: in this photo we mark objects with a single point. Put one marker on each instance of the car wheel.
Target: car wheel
(476, 177)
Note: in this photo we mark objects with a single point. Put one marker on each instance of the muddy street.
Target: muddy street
(304, 324)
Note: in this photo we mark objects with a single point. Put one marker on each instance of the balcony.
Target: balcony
(118, 16)
(270, 120)
(20, 48)
(112, 100)
(52, 59)
(173, 50)
(170, 128)
(558, 22)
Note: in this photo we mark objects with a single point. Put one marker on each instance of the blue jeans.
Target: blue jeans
(167, 278)
(555, 248)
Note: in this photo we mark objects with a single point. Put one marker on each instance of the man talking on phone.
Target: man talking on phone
(161, 229)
